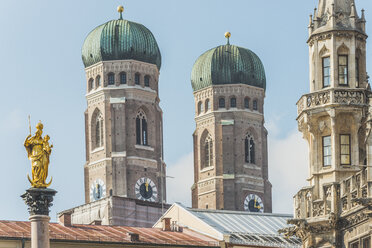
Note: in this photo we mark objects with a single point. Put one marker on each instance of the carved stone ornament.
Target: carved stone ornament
(39, 200)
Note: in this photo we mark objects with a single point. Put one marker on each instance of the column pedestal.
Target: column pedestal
(39, 201)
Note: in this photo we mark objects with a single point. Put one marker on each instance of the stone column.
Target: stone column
(39, 201)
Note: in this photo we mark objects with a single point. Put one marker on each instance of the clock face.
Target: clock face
(97, 190)
(253, 203)
(146, 189)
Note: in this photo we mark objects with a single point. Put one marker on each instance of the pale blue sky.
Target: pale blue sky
(43, 75)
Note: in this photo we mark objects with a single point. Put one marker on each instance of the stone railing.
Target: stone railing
(345, 195)
(326, 97)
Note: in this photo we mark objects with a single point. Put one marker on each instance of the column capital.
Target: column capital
(39, 200)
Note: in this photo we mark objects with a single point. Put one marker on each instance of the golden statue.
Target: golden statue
(38, 151)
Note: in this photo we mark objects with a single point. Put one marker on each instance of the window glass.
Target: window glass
(249, 150)
(147, 81)
(207, 105)
(123, 78)
(141, 129)
(326, 72)
(327, 151)
(345, 149)
(354, 245)
(233, 102)
(208, 152)
(246, 103)
(255, 107)
(221, 102)
(137, 78)
(342, 70)
(98, 81)
(357, 71)
(90, 84)
(200, 107)
(366, 242)
(111, 79)
(99, 131)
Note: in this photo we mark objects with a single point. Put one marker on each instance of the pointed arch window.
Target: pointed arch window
(207, 105)
(99, 131)
(141, 129)
(357, 72)
(90, 84)
(111, 78)
(98, 81)
(123, 78)
(207, 152)
(249, 145)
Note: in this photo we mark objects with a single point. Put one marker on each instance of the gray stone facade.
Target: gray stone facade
(229, 178)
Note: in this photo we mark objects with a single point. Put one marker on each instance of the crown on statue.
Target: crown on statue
(39, 126)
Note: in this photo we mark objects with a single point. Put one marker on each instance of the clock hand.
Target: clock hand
(147, 187)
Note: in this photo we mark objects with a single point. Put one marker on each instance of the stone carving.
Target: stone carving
(38, 200)
(318, 99)
(348, 97)
(318, 209)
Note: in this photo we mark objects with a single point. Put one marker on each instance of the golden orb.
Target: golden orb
(121, 9)
(227, 34)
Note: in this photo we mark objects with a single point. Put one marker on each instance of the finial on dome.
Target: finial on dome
(227, 36)
(121, 10)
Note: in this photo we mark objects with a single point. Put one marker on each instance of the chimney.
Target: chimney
(166, 224)
(134, 237)
(64, 219)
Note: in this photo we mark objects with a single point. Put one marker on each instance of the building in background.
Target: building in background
(230, 140)
(335, 119)
(125, 169)
(232, 228)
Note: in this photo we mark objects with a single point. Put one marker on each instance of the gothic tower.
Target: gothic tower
(230, 140)
(123, 120)
(335, 118)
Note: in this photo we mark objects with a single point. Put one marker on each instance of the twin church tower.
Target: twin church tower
(125, 170)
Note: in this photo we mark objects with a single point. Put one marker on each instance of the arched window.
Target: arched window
(249, 150)
(141, 129)
(90, 84)
(207, 153)
(98, 81)
(99, 131)
(123, 78)
(232, 102)
(147, 81)
(111, 78)
(255, 106)
(207, 105)
(246, 103)
(200, 107)
(137, 78)
(221, 102)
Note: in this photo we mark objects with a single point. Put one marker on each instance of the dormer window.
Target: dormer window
(343, 70)
(326, 72)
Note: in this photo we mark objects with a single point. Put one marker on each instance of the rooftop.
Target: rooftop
(107, 234)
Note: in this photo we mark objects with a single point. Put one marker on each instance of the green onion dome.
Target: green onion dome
(228, 64)
(121, 40)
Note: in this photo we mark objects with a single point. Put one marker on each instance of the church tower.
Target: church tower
(230, 140)
(334, 210)
(124, 170)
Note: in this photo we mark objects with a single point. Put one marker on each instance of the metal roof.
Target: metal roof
(248, 228)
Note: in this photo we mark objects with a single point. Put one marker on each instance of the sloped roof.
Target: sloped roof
(248, 228)
(109, 234)
(259, 229)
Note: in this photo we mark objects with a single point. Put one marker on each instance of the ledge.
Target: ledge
(148, 148)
